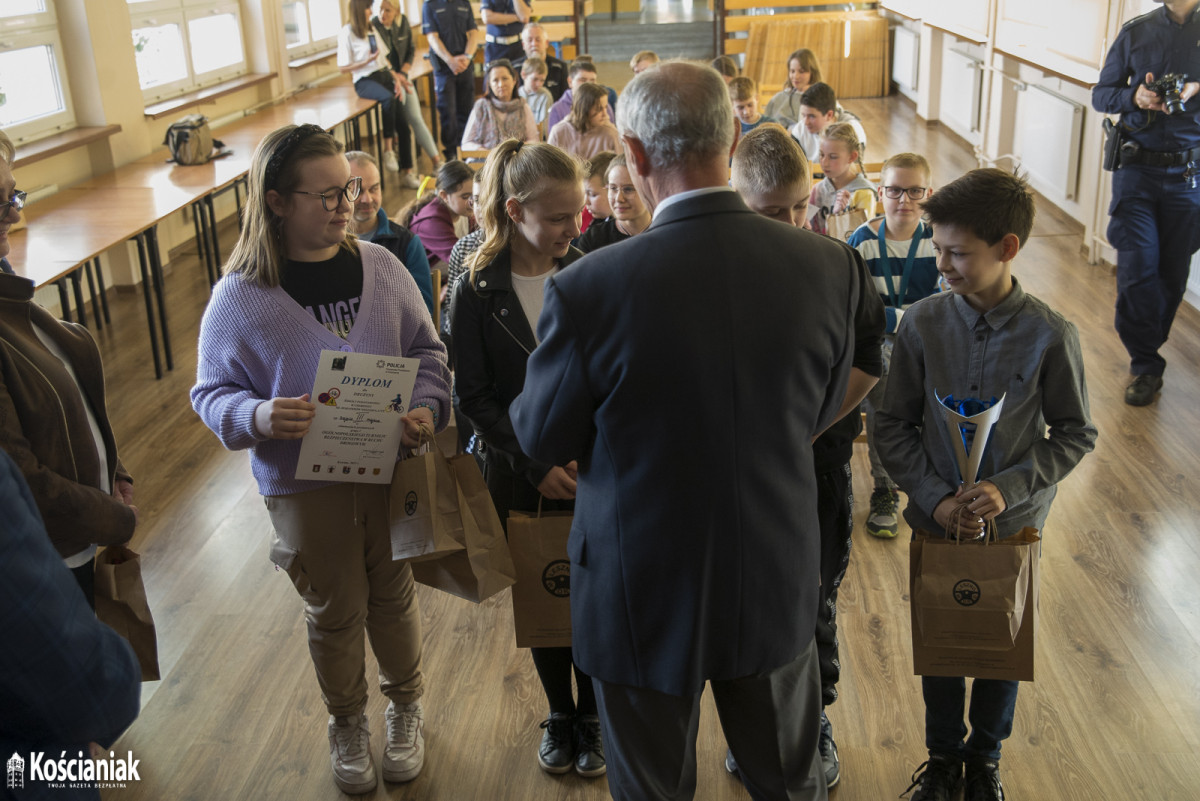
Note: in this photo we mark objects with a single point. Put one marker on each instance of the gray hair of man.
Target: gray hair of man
(680, 112)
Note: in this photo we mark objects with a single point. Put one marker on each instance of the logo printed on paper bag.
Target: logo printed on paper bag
(410, 503)
(556, 578)
(966, 592)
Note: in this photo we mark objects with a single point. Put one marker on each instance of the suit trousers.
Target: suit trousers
(335, 545)
(455, 99)
(770, 720)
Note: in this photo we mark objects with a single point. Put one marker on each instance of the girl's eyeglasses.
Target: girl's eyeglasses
(350, 191)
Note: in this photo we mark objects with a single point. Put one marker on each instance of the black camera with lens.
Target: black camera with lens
(1168, 88)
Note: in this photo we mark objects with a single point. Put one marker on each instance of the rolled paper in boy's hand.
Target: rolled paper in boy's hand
(970, 422)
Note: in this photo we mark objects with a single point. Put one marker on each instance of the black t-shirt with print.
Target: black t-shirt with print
(331, 290)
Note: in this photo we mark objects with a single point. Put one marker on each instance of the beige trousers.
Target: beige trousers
(334, 544)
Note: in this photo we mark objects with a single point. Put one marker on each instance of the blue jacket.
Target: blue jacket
(689, 398)
(1152, 43)
(405, 246)
(65, 678)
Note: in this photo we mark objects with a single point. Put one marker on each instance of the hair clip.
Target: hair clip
(279, 158)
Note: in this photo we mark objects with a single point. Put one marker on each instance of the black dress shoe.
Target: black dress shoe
(1142, 389)
(936, 779)
(982, 781)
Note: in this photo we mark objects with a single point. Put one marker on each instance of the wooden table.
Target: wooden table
(70, 230)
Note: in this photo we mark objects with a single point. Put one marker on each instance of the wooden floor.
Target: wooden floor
(1115, 712)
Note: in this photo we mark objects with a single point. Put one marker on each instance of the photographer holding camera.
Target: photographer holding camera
(1149, 76)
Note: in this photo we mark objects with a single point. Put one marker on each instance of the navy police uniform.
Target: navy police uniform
(502, 41)
(1155, 209)
(451, 20)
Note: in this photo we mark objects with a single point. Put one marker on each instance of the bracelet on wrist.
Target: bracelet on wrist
(427, 405)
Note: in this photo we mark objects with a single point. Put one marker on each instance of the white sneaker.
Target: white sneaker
(390, 162)
(350, 754)
(404, 753)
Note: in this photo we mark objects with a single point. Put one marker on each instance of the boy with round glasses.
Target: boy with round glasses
(898, 250)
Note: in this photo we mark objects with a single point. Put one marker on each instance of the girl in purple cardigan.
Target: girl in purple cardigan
(294, 286)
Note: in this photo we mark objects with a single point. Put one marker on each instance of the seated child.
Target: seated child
(803, 71)
(743, 92)
(898, 250)
(533, 91)
(595, 193)
(984, 338)
(587, 130)
(629, 213)
(771, 174)
(432, 216)
(843, 185)
(581, 71)
(818, 110)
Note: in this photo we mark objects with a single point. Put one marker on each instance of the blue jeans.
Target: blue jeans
(993, 704)
(394, 123)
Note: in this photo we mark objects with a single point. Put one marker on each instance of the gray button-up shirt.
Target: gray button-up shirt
(1022, 350)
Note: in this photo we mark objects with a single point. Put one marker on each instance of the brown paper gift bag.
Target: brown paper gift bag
(121, 603)
(840, 226)
(974, 605)
(485, 567)
(424, 515)
(542, 595)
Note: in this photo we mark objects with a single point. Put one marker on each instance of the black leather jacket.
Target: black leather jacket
(492, 343)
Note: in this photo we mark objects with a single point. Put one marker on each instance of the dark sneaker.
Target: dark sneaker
(1142, 389)
(983, 781)
(589, 751)
(884, 521)
(936, 779)
(556, 754)
(829, 755)
(730, 763)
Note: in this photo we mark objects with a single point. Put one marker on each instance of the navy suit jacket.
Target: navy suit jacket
(687, 370)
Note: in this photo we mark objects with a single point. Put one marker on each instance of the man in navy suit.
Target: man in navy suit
(687, 370)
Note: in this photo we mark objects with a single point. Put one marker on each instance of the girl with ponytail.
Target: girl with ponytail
(530, 200)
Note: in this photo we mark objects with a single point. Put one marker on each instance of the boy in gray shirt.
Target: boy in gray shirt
(984, 339)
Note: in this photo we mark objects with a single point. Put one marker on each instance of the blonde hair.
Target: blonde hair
(583, 102)
(766, 159)
(908, 161)
(808, 63)
(7, 151)
(260, 254)
(534, 65)
(844, 132)
(643, 55)
(516, 170)
(742, 89)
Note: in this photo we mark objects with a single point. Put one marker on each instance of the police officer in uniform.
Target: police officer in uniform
(1155, 210)
(453, 38)
(504, 20)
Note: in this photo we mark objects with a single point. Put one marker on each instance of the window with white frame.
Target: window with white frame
(181, 45)
(34, 98)
(310, 26)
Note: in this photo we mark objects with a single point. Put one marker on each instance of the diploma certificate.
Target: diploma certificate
(355, 435)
